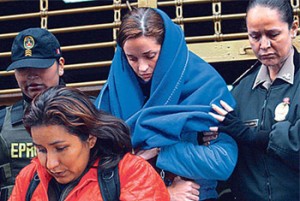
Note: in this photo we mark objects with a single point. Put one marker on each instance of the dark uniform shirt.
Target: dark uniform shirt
(270, 174)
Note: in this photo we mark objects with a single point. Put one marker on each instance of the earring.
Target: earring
(61, 72)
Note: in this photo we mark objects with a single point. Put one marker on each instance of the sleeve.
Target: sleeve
(213, 162)
(285, 143)
(139, 181)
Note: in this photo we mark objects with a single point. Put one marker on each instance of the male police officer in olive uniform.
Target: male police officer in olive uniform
(38, 64)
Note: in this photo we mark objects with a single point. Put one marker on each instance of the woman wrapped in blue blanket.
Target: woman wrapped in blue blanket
(164, 93)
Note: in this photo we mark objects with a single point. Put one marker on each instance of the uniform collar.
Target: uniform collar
(286, 73)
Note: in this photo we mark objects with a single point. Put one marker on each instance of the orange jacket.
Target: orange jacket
(138, 181)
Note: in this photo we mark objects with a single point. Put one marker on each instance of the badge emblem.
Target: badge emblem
(282, 109)
(28, 45)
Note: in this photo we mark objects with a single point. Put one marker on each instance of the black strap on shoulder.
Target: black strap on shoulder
(17, 113)
(249, 70)
(32, 186)
(2, 117)
(109, 183)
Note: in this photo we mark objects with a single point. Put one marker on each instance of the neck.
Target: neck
(274, 70)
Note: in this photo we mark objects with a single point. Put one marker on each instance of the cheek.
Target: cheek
(134, 66)
(51, 79)
(42, 158)
(20, 79)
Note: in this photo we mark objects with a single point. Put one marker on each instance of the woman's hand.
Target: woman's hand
(148, 154)
(182, 190)
(221, 112)
(233, 126)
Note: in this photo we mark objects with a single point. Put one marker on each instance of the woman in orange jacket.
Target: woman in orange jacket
(74, 141)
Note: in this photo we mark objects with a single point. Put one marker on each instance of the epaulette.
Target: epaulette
(248, 71)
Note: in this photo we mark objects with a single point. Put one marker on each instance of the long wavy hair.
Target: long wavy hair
(72, 109)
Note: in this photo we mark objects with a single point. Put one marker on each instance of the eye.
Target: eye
(130, 58)
(41, 150)
(151, 55)
(60, 149)
(22, 70)
(254, 36)
(273, 35)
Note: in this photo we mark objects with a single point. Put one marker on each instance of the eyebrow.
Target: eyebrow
(52, 143)
(147, 52)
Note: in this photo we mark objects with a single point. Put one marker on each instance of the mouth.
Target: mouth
(58, 174)
(267, 56)
(35, 87)
(146, 76)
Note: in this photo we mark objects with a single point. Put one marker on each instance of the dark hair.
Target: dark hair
(72, 109)
(283, 6)
(141, 22)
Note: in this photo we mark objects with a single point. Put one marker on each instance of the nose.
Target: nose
(265, 43)
(143, 66)
(52, 161)
(31, 73)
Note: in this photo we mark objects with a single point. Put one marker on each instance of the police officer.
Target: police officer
(38, 64)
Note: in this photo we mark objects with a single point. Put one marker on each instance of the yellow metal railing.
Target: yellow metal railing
(225, 46)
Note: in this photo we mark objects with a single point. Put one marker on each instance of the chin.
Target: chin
(269, 62)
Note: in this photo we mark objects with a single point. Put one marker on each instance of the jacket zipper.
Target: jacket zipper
(264, 159)
(264, 109)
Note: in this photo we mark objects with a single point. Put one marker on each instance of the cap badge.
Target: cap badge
(282, 109)
(28, 45)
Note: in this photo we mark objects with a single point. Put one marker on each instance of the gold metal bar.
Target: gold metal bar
(71, 67)
(80, 84)
(147, 3)
(172, 3)
(76, 47)
(84, 28)
(19, 16)
(88, 46)
(87, 65)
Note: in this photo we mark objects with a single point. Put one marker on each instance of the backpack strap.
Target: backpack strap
(32, 186)
(109, 183)
(108, 180)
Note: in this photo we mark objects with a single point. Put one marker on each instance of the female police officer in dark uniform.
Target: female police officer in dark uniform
(266, 122)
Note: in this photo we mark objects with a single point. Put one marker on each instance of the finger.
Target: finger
(177, 178)
(195, 186)
(195, 192)
(192, 197)
(227, 107)
(210, 133)
(219, 110)
(217, 117)
(214, 128)
(209, 138)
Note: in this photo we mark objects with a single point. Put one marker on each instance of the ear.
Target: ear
(92, 141)
(294, 29)
(61, 66)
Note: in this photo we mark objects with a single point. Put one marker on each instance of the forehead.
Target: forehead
(49, 134)
(140, 45)
(264, 18)
(264, 12)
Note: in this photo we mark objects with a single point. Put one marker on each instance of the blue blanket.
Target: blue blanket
(182, 90)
